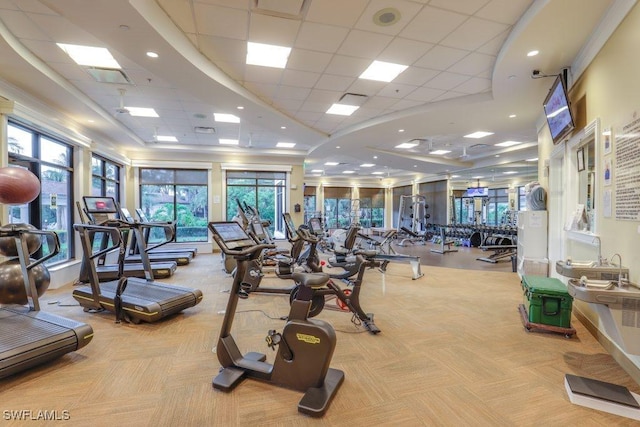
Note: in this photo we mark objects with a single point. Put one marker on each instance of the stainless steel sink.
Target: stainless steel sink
(591, 270)
(603, 292)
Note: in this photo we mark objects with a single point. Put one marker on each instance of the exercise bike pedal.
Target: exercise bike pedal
(255, 356)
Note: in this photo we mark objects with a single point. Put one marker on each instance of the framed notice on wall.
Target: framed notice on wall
(580, 163)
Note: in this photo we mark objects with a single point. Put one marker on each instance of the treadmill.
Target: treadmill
(130, 298)
(28, 336)
(133, 249)
(170, 246)
(104, 209)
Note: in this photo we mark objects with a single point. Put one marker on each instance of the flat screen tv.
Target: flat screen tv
(477, 192)
(557, 111)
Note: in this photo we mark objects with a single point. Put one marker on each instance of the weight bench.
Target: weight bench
(499, 253)
(444, 242)
(414, 261)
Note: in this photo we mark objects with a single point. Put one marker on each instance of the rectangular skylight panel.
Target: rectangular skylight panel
(226, 118)
(90, 56)
(142, 112)
(478, 135)
(342, 109)
(367, 165)
(507, 143)
(332, 164)
(440, 152)
(267, 55)
(166, 138)
(383, 71)
(224, 141)
(285, 144)
(407, 145)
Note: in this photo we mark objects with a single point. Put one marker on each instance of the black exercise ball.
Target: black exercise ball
(8, 244)
(12, 289)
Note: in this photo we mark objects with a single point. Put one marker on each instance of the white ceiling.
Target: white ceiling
(468, 71)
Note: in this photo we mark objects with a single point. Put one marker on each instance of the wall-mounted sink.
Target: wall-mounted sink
(591, 270)
(603, 292)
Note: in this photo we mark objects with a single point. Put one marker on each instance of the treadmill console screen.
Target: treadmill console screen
(232, 235)
(102, 205)
(126, 214)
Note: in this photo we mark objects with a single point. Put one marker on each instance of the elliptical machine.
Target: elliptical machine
(305, 346)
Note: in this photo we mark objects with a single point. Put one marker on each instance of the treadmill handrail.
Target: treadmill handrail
(114, 233)
(54, 243)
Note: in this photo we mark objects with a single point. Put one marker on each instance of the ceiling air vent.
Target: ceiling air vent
(292, 9)
(109, 75)
(353, 99)
(477, 147)
(204, 129)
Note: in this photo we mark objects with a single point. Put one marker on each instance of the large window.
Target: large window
(372, 207)
(105, 178)
(310, 210)
(263, 191)
(179, 195)
(337, 207)
(497, 206)
(51, 161)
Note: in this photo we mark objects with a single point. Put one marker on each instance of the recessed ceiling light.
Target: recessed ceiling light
(348, 172)
(440, 152)
(224, 141)
(240, 107)
(400, 130)
(367, 165)
(283, 127)
(477, 177)
(509, 172)
(507, 143)
(382, 71)
(226, 118)
(377, 173)
(152, 54)
(338, 147)
(415, 166)
(407, 145)
(267, 55)
(535, 159)
(166, 138)
(332, 163)
(285, 144)
(375, 157)
(533, 53)
(497, 155)
(142, 112)
(317, 171)
(91, 120)
(90, 56)
(478, 134)
(342, 109)
(455, 176)
(512, 116)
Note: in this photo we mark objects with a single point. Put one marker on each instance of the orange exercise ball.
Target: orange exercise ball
(18, 186)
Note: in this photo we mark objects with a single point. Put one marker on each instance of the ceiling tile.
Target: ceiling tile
(292, 92)
(222, 49)
(308, 60)
(505, 11)
(263, 90)
(366, 87)
(235, 70)
(380, 102)
(416, 76)
(320, 37)
(324, 96)
(363, 44)
(331, 82)
(181, 13)
(336, 12)
(297, 78)
(236, 4)
(473, 33)
(467, 7)
(404, 104)
(258, 74)
(425, 94)
(273, 30)
(432, 25)
(349, 66)
(221, 21)
(441, 58)
(404, 51)
(447, 81)
(472, 64)
(493, 46)
(396, 90)
(289, 7)
(289, 105)
(406, 9)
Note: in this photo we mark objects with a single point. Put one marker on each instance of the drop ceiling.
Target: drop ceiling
(467, 71)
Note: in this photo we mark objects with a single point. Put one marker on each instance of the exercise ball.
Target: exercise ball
(8, 244)
(12, 289)
(18, 186)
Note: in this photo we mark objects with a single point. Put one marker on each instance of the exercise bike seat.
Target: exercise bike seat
(311, 280)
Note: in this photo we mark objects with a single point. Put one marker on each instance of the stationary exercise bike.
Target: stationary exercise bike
(304, 348)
